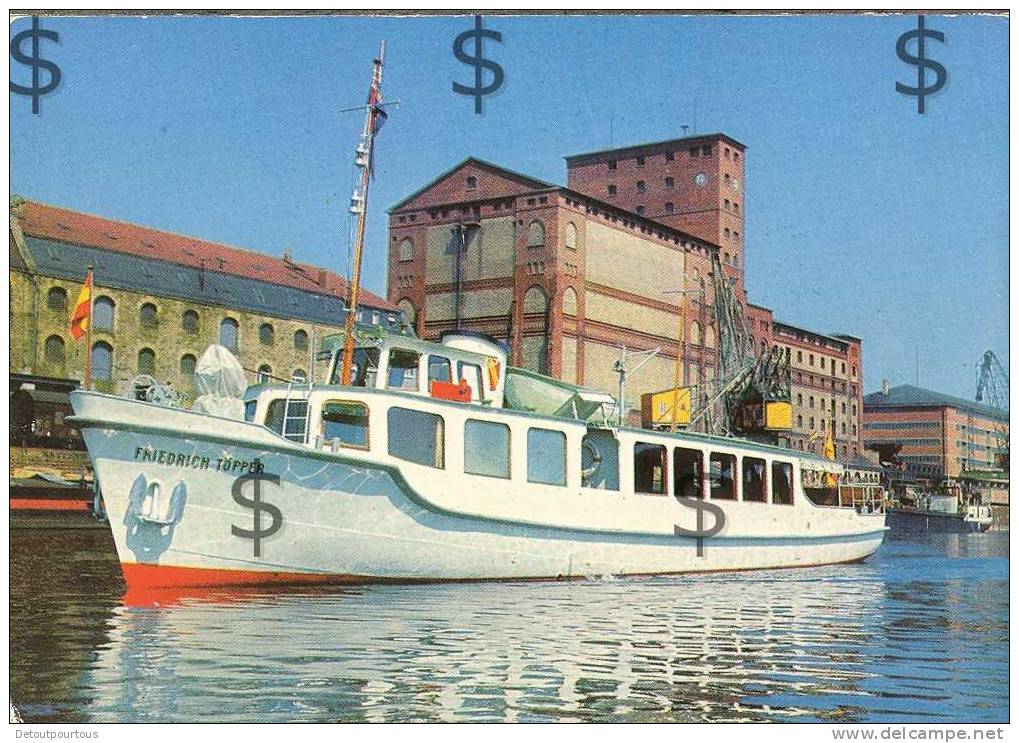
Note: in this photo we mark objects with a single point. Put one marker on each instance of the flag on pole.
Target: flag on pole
(81, 313)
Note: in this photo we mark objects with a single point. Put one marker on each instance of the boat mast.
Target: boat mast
(359, 204)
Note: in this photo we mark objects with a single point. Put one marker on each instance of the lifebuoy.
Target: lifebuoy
(596, 460)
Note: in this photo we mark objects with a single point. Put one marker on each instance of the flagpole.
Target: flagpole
(88, 329)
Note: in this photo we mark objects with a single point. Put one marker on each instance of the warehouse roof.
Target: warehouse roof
(148, 244)
(679, 141)
(908, 396)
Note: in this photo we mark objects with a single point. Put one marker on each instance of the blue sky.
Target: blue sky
(862, 216)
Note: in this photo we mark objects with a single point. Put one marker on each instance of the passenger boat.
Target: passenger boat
(404, 475)
(421, 461)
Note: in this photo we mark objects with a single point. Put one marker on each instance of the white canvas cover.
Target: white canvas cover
(221, 383)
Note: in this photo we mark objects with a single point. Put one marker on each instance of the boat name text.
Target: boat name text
(196, 461)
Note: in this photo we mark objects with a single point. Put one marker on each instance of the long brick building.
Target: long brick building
(160, 300)
(936, 434)
(567, 275)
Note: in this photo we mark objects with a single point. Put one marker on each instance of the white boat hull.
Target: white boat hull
(344, 518)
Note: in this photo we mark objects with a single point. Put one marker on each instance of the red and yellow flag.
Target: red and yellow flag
(81, 313)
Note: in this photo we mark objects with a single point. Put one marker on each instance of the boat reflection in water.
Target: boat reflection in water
(782, 644)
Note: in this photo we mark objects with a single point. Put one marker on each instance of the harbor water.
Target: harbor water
(917, 633)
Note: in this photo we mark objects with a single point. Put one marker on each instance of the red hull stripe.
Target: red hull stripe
(138, 575)
(49, 504)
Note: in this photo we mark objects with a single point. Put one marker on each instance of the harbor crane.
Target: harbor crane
(992, 390)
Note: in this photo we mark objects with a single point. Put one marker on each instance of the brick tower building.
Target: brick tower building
(567, 275)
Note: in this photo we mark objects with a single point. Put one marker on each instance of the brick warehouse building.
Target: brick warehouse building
(566, 275)
(160, 300)
(938, 434)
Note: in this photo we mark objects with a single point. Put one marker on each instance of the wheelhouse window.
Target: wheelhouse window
(288, 418)
(649, 468)
(782, 483)
(471, 373)
(546, 456)
(416, 436)
(346, 422)
(439, 369)
(403, 369)
(722, 470)
(486, 449)
(599, 460)
(755, 487)
(688, 472)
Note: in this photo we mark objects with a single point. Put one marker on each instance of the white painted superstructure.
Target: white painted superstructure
(384, 481)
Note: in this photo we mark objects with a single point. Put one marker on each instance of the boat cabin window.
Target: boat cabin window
(439, 369)
(417, 437)
(403, 369)
(722, 470)
(546, 456)
(782, 483)
(288, 418)
(472, 374)
(364, 369)
(688, 471)
(599, 460)
(249, 410)
(649, 468)
(820, 487)
(486, 449)
(755, 487)
(346, 422)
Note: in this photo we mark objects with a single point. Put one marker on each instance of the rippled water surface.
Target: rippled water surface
(917, 633)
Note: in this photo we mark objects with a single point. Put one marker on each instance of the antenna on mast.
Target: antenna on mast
(375, 116)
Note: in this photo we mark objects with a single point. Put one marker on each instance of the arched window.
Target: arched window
(570, 239)
(300, 376)
(406, 251)
(300, 340)
(55, 349)
(56, 299)
(709, 337)
(570, 301)
(472, 182)
(535, 300)
(189, 321)
(264, 374)
(187, 364)
(535, 234)
(146, 361)
(695, 333)
(228, 331)
(410, 314)
(102, 313)
(148, 316)
(102, 361)
(266, 334)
